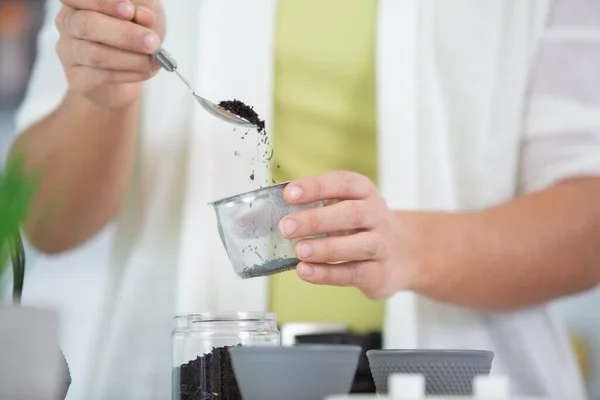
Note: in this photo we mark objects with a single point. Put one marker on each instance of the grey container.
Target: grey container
(18, 261)
(446, 372)
(64, 390)
(304, 372)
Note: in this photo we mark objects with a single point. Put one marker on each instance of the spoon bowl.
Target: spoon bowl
(222, 113)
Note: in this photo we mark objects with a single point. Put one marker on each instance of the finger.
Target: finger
(338, 233)
(144, 16)
(344, 216)
(100, 28)
(359, 247)
(123, 9)
(88, 78)
(101, 56)
(61, 17)
(330, 185)
(345, 274)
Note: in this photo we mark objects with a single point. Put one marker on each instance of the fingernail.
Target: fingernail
(306, 270)
(126, 9)
(151, 41)
(304, 250)
(294, 193)
(288, 227)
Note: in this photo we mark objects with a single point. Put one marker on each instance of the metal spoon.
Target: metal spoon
(168, 63)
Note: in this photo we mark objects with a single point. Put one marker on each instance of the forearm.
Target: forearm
(84, 157)
(525, 252)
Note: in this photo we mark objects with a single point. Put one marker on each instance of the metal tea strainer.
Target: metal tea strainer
(248, 225)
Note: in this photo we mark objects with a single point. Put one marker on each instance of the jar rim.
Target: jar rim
(222, 316)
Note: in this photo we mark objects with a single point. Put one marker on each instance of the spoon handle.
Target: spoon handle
(165, 59)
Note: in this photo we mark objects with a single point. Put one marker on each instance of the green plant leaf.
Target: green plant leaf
(17, 190)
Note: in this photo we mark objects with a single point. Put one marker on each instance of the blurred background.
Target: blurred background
(20, 21)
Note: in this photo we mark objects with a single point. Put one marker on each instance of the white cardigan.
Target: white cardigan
(457, 130)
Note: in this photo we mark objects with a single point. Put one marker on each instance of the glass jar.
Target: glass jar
(201, 365)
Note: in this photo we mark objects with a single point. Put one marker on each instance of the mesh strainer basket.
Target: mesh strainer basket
(447, 372)
(248, 225)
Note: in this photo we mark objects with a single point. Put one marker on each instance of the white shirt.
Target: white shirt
(536, 138)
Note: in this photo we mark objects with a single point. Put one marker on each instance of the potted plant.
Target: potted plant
(30, 362)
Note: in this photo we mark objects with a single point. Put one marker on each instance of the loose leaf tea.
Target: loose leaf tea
(264, 154)
(209, 376)
(247, 112)
(242, 110)
(270, 267)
